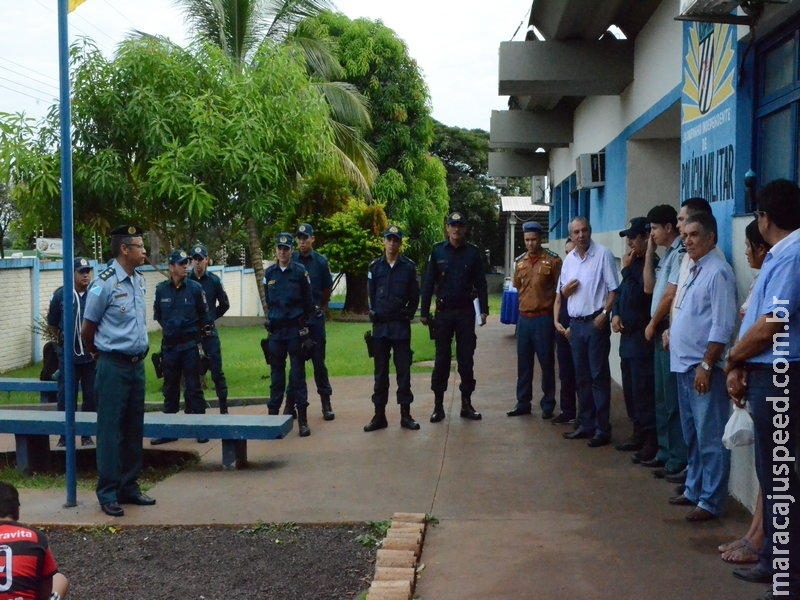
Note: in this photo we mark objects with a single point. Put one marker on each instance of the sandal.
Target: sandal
(734, 545)
(742, 555)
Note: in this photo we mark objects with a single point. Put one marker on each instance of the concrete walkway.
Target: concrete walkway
(522, 513)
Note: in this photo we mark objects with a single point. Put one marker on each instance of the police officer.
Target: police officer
(321, 285)
(393, 300)
(180, 308)
(287, 289)
(455, 273)
(218, 305)
(84, 363)
(535, 277)
(114, 331)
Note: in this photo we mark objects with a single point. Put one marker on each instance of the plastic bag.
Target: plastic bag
(738, 429)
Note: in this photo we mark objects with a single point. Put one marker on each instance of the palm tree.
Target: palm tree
(239, 27)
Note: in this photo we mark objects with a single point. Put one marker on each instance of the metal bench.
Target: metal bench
(26, 384)
(32, 428)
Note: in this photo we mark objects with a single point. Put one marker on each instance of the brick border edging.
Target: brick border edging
(396, 563)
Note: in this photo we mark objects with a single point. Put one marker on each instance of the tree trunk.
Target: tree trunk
(355, 300)
(257, 259)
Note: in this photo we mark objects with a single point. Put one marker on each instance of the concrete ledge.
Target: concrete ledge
(396, 564)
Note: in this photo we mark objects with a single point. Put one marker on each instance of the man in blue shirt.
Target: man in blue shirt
(287, 289)
(114, 332)
(319, 272)
(764, 369)
(393, 300)
(180, 308)
(701, 328)
(218, 305)
(81, 359)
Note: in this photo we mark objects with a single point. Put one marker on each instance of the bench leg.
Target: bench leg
(33, 453)
(234, 454)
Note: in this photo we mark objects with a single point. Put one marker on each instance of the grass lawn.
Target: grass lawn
(244, 365)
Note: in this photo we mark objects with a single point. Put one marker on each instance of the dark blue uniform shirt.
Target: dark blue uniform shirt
(393, 297)
(633, 307)
(288, 294)
(319, 272)
(456, 276)
(216, 297)
(181, 311)
(55, 314)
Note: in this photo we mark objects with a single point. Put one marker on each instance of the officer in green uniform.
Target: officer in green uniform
(115, 333)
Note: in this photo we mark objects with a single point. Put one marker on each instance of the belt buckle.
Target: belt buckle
(135, 359)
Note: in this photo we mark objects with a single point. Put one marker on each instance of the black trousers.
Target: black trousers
(458, 324)
(401, 352)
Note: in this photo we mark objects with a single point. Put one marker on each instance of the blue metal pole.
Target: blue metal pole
(68, 323)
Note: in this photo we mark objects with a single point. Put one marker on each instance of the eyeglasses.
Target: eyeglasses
(759, 213)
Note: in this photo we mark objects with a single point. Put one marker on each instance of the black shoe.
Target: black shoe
(679, 477)
(273, 411)
(202, 440)
(753, 574)
(632, 444)
(653, 463)
(303, 429)
(437, 414)
(377, 422)
(468, 412)
(563, 419)
(112, 509)
(547, 415)
(408, 422)
(327, 411)
(598, 440)
(140, 499)
(680, 501)
(518, 412)
(578, 434)
(86, 440)
(159, 441)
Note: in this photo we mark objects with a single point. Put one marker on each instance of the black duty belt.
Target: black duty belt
(121, 357)
(175, 340)
(585, 318)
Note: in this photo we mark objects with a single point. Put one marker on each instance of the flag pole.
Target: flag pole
(68, 323)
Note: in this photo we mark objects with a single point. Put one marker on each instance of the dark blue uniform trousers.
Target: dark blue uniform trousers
(566, 376)
(213, 350)
(177, 361)
(535, 338)
(297, 390)
(461, 325)
(401, 351)
(84, 376)
(638, 388)
(316, 329)
(590, 349)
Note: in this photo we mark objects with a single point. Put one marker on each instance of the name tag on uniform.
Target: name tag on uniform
(121, 295)
(166, 300)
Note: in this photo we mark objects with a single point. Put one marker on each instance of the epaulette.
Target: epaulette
(520, 257)
(551, 253)
(408, 260)
(106, 274)
(374, 262)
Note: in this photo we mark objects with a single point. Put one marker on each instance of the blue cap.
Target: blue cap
(636, 226)
(305, 229)
(393, 230)
(456, 218)
(285, 239)
(199, 250)
(81, 264)
(178, 257)
(531, 226)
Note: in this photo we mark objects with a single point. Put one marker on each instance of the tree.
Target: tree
(224, 146)
(16, 132)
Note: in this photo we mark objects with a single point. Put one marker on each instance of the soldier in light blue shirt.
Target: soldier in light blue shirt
(703, 320)
(114, 331)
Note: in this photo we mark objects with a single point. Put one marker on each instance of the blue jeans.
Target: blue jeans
(535, 337)
(777, 477)
(590, 349)
(671, 445)
(703, 418)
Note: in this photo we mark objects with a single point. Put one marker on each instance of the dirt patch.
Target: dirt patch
(264, 562)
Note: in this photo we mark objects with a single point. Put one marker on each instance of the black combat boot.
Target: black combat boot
(302, 421)
(378, 420)
(223, 406)
(406, 420)
(289, 408)
(327, 411)
(273, 411)
(467, 412)
(438, 407)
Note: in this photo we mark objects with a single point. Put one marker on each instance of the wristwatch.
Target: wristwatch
(705, 366)
(605, 311)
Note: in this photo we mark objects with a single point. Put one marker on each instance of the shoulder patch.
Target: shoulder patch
(551, 253)
(106, 273)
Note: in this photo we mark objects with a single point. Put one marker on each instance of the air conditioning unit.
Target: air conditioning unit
(590, 170)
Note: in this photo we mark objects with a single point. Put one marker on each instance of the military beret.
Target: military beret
(393, 230)
(531, 226)
(285, 239)
(304, 229)
(199, 250)
(80, 264)
(456, 218)
(179, 257)
(127, 230)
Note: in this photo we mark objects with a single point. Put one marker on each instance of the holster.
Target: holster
(432, 327)
(265, 350)
(157, 365)
(370, 343)
(307, 343)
